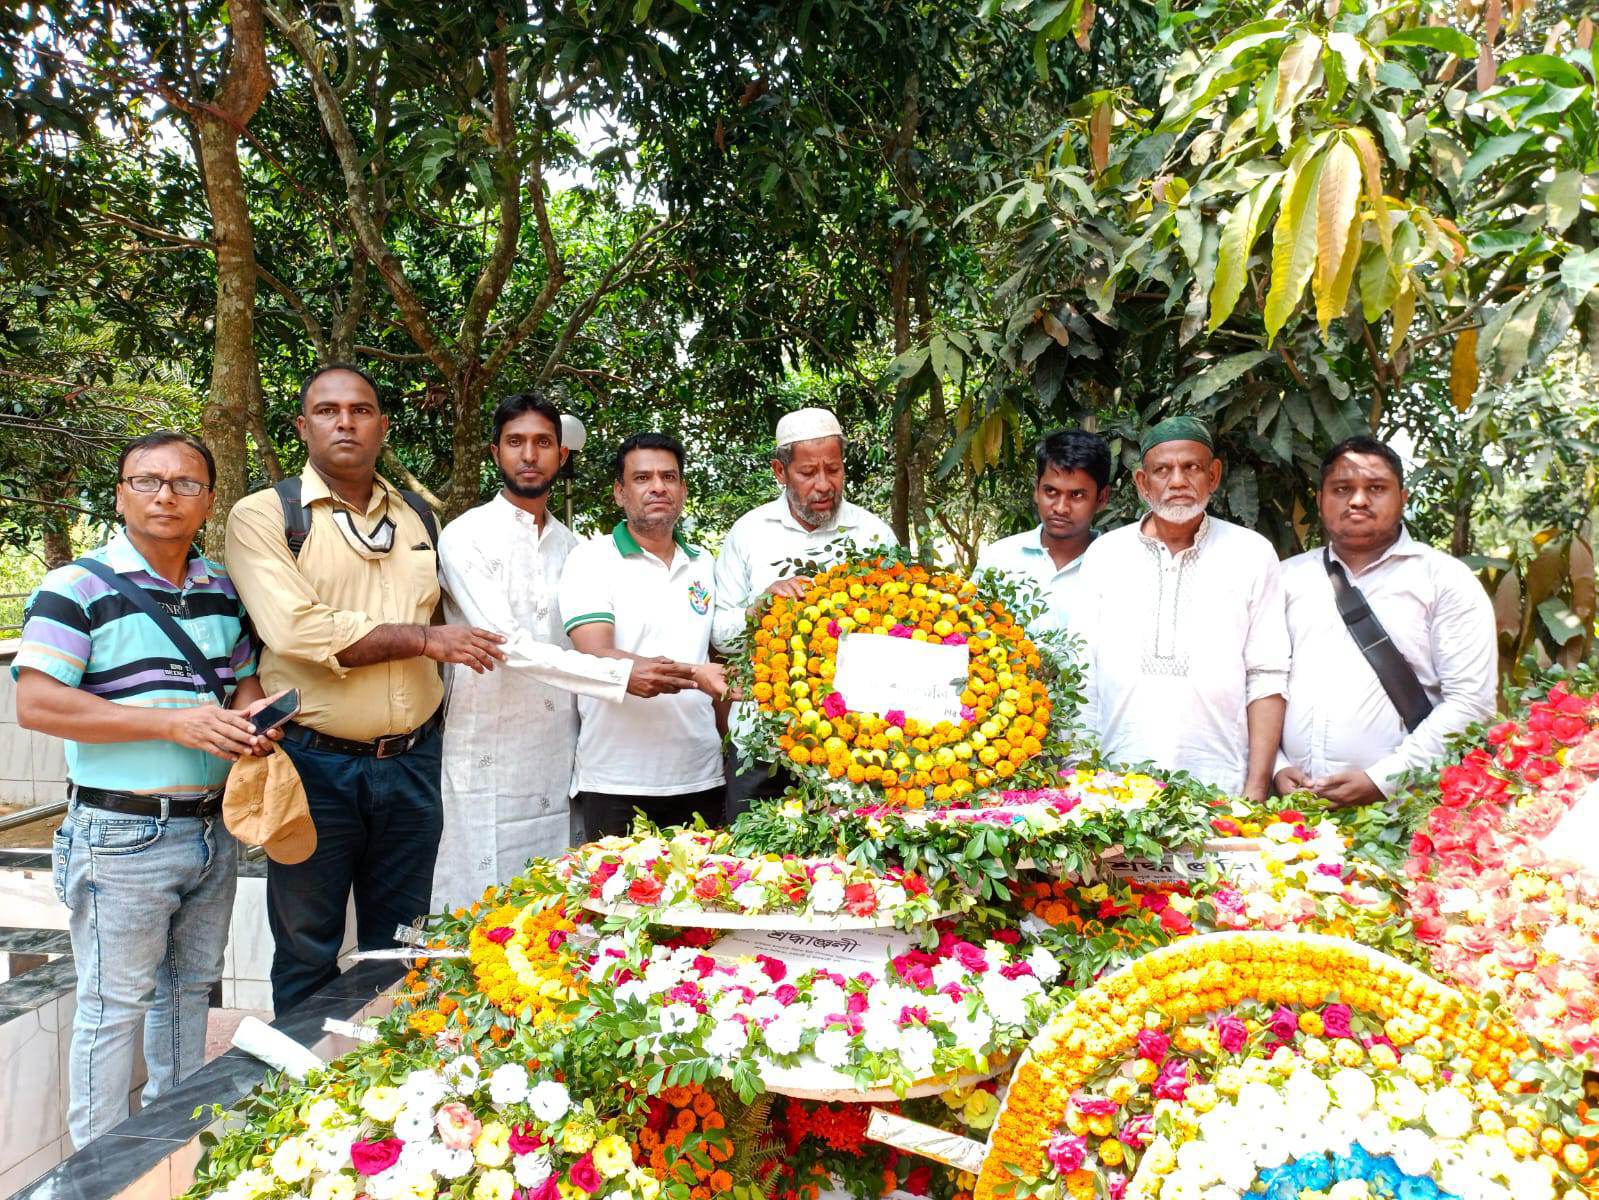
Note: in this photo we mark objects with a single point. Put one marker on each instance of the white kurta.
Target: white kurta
(1180, 644)
(1441, 621)
(510, 735)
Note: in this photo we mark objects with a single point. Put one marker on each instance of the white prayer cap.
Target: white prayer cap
(806, 425)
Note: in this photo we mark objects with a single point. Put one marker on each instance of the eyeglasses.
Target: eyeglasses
(151, 485)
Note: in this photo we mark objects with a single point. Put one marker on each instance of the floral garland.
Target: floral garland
(459, 1128)
(521, 963)
(1499, 911)
(959, 1007)
(692, 872)
(1200, 975)
(1006, 704)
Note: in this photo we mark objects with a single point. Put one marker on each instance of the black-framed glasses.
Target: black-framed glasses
(151, 485)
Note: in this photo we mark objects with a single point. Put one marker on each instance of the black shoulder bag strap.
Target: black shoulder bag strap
(182, 642)
(297, 521)
(1397, 676)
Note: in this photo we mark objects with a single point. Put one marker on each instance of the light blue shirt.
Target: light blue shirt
(1023, 556)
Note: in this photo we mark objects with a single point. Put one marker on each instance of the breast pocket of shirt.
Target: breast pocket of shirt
(417, 575)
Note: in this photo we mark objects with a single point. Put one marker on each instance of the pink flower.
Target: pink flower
(970, 957)
(833, 706)
(1138, 1131)
(373, 1158)
(1116, 1185)
(772, 968)
(1335, 1018)
(1153, 1044)
(458, 1128)
(1172, 1082)
(500, 935)
(900, 631)
(584, 1175)
(955, 639)
(856, 1003)
(1284, 1024)
(834, 628)
(786, 994)
(968, 713)
(524, 1140)
(550, 1189)
(1066, 1152)
(556, 939)
(1232, 1033)
(895, 716)
(913, 1015)
(708, 886)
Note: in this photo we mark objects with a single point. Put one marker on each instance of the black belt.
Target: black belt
(134, 805)
(383, 747)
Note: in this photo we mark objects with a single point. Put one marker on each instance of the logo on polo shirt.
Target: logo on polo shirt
(699, 598)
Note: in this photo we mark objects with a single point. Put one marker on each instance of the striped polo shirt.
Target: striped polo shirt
(81, 631)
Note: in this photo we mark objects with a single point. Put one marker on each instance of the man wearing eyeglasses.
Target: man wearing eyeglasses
(1187, 660)
(339, 573)
(142, 860)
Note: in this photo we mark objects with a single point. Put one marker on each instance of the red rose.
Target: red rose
(500, 935)
(860, 899)
(524, 1140)
(707, 886)
(645, 890)
(1232, 1033)
(1335, 1020)
(772, 968)
(1153, 1044)
(918, 1181)
(1173, 921)
(373, 1158)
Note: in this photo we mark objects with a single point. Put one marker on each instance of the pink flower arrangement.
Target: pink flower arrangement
(833, 706)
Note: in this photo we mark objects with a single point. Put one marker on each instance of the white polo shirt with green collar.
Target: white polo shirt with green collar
(665, 745)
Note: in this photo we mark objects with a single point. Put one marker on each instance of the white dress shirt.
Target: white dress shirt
(1061, 588)
(1436, 614)
(753, 555)
(1180, 644)
(511, 733)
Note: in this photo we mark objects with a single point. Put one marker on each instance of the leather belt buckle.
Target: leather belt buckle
(394, 744)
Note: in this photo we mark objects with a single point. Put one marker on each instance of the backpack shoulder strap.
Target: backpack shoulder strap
(296, 521)
(1394, 672)
(420, 507)
(164, 621)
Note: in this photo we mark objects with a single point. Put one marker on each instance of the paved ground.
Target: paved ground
(219, 1030)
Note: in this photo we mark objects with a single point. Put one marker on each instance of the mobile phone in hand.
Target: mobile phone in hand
(276, 713)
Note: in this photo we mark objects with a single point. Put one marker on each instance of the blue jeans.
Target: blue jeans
(378, 824)
(150, 902)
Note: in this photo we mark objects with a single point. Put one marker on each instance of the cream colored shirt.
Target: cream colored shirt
(306, 610)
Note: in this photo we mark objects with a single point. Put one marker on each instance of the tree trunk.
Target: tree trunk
(466, 447)
(57, 536)
(235, 375)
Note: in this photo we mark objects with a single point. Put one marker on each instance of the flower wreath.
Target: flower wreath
(1015, 687)
(1128, 1013)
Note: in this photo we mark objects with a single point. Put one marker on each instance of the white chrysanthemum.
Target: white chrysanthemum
(292, 1161)
(750, 896)
(1413, 1152)
(678, 1018)
(530, 1170)
(1306, 1094)
(727, 1039)
(916, 1048)
(832, 1047)
(414, 1124)
(827, 997)
(1045, 965)
(447, 1163)
(827, 895)
(764, 1008)
(549, 1101)
(1197, 1161)
(1353, 1090)
(1447, 1113)
(783, 1035)
(508, 1084)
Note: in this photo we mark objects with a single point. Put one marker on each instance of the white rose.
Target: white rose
(549, 1101)
(508, 1084)
(750, 896)
(765, 1008)
(832, 1048)
(916, 1047)
(827, 895)
(826, 997)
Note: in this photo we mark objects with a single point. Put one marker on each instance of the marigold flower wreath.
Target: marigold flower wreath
(1019, 696)
(1172, 985)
